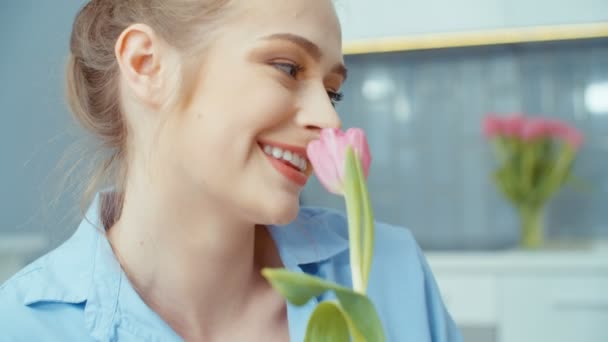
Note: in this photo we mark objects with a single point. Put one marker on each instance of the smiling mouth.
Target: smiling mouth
(288, 157)
(288, 161)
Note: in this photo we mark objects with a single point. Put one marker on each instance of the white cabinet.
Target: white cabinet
(555, 308)
(557, 296)
(456, 291)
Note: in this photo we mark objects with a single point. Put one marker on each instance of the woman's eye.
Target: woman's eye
(289, 68)
(335, 97)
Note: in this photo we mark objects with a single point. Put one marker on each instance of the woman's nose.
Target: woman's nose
(317, 112)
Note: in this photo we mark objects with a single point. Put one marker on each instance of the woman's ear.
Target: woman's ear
(141, 57)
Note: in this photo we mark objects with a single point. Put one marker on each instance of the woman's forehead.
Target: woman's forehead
(314, 20)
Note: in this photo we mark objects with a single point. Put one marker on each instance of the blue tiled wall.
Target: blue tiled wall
(431, 170)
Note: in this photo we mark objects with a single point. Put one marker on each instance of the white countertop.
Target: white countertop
(578, 257)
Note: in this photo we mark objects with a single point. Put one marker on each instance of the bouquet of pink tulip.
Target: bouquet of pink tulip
(341, 162)
(535, 157)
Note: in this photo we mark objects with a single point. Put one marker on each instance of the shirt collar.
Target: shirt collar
(314, 236)
(67, 271)
(82, 270)
(85, 270)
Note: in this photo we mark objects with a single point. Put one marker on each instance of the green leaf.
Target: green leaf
(327, 324)
(362, 313)
(556, 174)
(299, 288)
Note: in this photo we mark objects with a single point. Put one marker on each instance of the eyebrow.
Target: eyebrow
(310, 48)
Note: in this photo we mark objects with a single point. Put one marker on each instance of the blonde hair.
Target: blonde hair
(92, 75)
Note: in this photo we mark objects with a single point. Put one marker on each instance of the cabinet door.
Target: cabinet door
(554, 308)
(470, 299)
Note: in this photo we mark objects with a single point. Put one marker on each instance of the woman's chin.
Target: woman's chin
(282, 214)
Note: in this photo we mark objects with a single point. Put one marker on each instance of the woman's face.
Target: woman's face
(265, 89)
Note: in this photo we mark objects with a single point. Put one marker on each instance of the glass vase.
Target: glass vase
(532, 221)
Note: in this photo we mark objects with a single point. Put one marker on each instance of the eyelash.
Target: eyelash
(334, 96)
(294, 68)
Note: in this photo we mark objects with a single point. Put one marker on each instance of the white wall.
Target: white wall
(364, 19)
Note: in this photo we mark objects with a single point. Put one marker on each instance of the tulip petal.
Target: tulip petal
(324, 166)
(327, 156)
(356, 138)
(334, 142)
(493, 126)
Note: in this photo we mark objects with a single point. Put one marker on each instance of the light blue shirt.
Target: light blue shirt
(78, 292)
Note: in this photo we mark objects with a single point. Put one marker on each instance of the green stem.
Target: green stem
(532, 226)
(528, 159)
(368, 226)
(352, 193)
(557, 174)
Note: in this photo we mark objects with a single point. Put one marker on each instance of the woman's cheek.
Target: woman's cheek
(274, 101)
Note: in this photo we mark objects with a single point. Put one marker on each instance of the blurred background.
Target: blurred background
(422, 76)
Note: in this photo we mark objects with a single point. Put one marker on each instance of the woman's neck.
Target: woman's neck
(188, 262)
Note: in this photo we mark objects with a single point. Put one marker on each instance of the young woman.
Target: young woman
(184, 96)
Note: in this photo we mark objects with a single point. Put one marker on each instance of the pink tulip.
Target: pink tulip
(536, 128)
(574, 138)
(514, 125)
(564, 132)
(556, 127)
(492, 126)
(571, 136)
(327, 156)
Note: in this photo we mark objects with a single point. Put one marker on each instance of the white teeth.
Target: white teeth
(298, 162)
(268, 150)
(277, 152)
(294, 159)
(287, 156)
